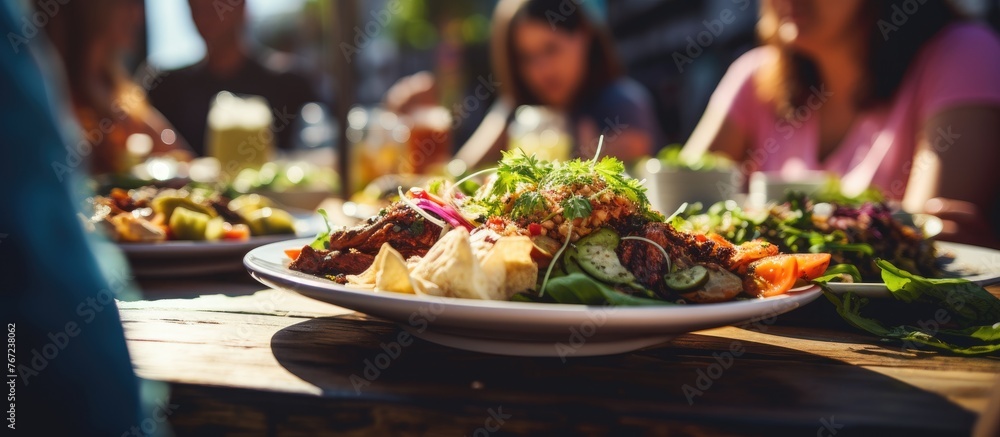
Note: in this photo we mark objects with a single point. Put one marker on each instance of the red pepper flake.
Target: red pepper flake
(535, 229)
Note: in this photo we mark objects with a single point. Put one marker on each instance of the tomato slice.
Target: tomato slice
(812, 265)
(293, 253)
(239, 232)
(771, 276)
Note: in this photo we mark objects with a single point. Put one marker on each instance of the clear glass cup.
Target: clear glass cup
(239, 133)
(540, 131)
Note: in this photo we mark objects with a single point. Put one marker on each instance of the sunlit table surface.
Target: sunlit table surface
(244, 360)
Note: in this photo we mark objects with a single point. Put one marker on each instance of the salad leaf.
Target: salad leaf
(322, 240)
(968, 302)
(966, 322)
(578, 288)
(835, 272)
(670, 156)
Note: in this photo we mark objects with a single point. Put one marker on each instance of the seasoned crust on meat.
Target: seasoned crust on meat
(352, 250)
(647, 263)
(326, 262)
(401, 227)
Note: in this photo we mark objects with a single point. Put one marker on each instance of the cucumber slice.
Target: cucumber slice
(270, 221)
(688, 279)
(186, 224)
(167, 204)
(601, 237)
(215, 229)
(602, 263)
(570, 261)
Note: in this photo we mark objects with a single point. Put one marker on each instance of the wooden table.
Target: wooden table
(276, 363)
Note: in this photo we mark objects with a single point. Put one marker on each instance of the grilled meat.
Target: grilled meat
(335, 262)
(647, 263)
(401, 227)
(351, 251)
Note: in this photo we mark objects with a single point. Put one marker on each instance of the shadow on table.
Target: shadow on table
(697, 383)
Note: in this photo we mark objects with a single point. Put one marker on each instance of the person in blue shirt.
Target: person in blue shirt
(66, 346)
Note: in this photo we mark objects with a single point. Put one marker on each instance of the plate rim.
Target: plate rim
(311, 281)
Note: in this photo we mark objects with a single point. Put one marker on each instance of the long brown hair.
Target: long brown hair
(603, 66)
(74, 30)
(787, 82)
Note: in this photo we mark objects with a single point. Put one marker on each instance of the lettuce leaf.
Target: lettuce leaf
(966, 320)
(577, 288)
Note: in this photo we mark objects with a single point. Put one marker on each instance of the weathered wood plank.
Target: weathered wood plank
(279, 361)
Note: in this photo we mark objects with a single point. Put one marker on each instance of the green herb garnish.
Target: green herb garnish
(576, 207)
(519, 174)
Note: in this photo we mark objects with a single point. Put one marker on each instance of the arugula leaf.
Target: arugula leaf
(322, 240)
(970, 303)
(576, 207)
(835, 272)
(578, 288)
(974, 310)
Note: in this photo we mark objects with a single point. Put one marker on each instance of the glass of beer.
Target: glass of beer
(239, 133)
(428, 148)
(539, 131)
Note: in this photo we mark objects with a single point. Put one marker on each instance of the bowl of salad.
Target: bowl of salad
(673, 180)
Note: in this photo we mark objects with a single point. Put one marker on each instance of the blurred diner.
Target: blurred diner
(232, 64)
(908, 103)
(561, 86)
(113, 112)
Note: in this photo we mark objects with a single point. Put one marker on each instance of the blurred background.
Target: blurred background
(350, 52)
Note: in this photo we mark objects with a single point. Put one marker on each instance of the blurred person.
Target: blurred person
(901, 96)
(565, 62)
(72, 367)
(91, 39)
(185, 95)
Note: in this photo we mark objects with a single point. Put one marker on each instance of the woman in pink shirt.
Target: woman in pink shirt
(902, 95)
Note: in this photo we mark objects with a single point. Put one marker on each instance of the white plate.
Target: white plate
(180, 258)
(976, 264)
(520, 328)
(195, 249)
